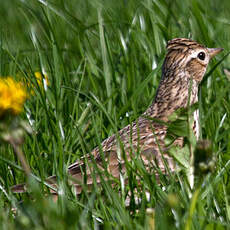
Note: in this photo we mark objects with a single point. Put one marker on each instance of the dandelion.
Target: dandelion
(42, 79)
(42, 82)
(12, 96)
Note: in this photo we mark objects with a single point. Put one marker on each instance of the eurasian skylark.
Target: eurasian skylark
(184, 67)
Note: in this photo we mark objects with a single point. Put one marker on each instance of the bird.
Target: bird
(183, 69)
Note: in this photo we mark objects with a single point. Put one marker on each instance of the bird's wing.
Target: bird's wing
(144, 139)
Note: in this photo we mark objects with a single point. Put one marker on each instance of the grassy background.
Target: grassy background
(103, 60)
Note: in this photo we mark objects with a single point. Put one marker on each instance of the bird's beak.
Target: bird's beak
(214, 51)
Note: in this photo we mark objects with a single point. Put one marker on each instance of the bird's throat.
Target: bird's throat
(174, 96)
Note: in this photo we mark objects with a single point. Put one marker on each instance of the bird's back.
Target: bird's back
(143, 139)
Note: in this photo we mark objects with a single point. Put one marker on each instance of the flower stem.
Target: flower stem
(21, 157)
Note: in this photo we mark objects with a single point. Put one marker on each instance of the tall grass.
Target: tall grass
(103, 60)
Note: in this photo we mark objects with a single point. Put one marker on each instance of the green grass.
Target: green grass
(101, 59)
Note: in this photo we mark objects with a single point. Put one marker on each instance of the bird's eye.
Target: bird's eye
(201, 56)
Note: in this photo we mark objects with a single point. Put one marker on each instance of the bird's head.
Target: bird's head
(187, 58)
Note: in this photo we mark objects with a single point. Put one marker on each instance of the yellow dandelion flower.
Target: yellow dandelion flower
(12, 96)
(41, 78)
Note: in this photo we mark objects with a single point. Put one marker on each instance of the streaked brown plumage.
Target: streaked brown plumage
(183, 69)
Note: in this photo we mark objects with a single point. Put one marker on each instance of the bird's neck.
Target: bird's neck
(172, 95)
